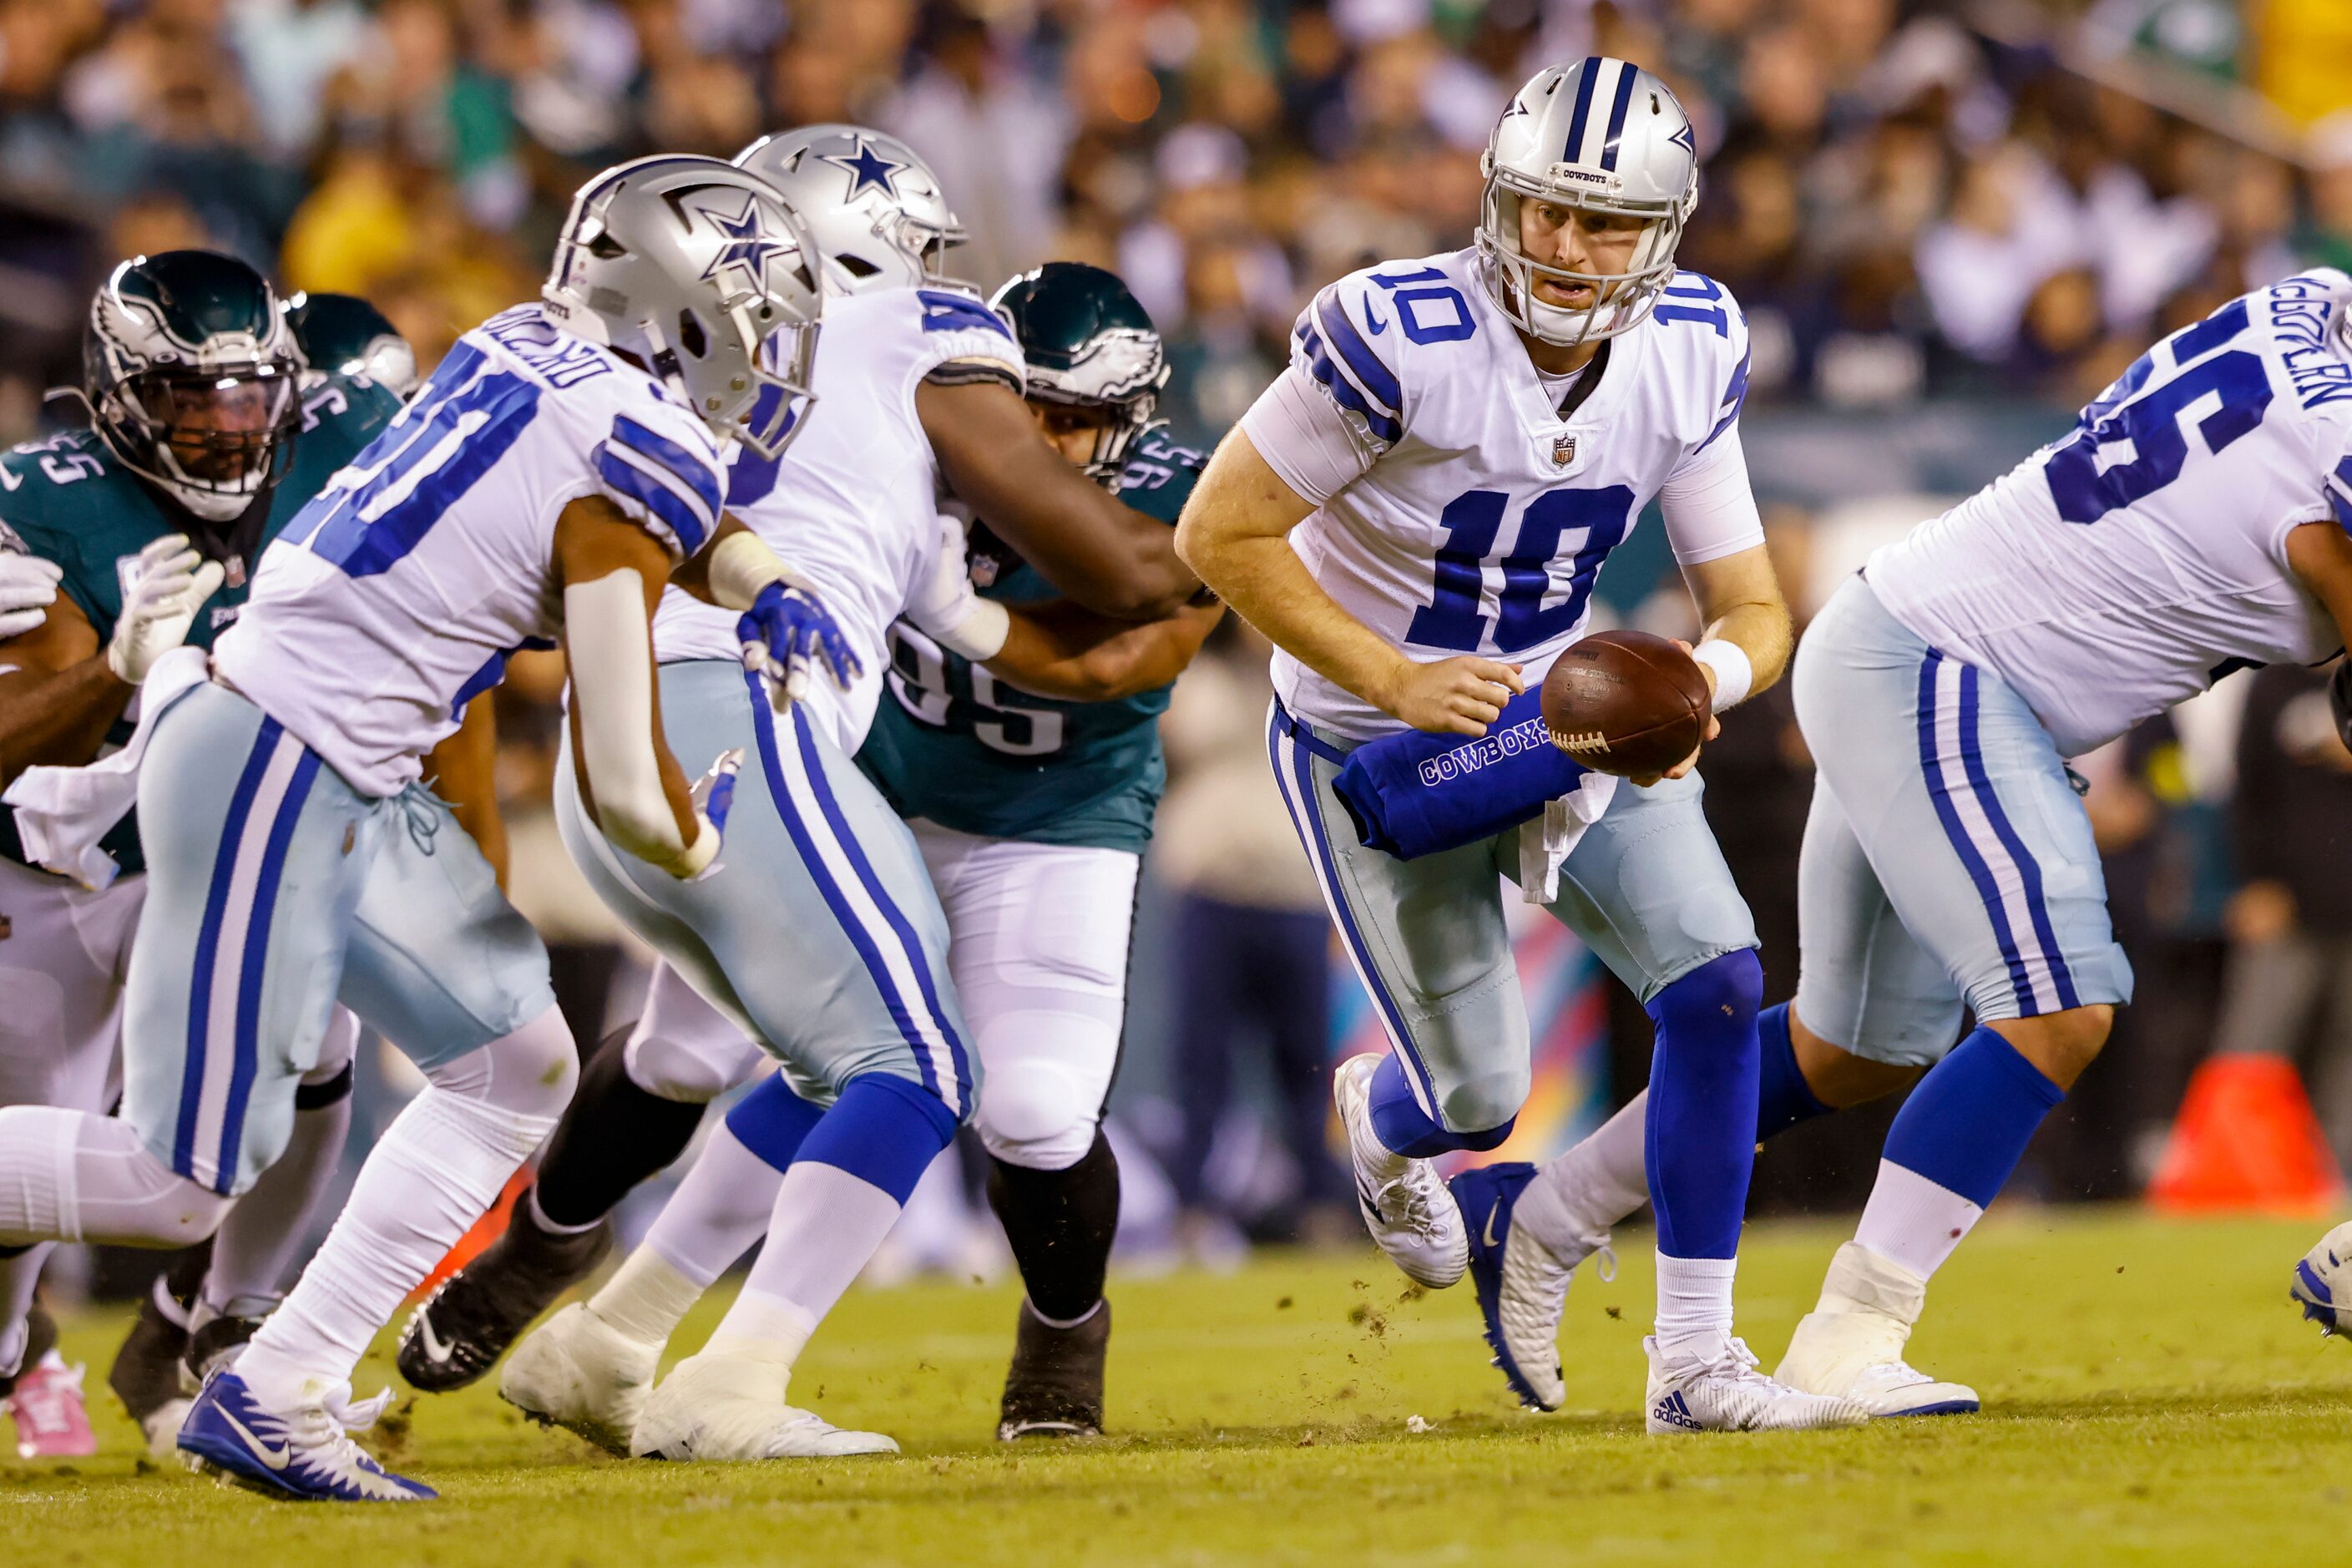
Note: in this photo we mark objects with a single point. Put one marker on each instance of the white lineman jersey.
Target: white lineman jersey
(852, 504)
(2133, 562)
(1483, 522)
(399, 592)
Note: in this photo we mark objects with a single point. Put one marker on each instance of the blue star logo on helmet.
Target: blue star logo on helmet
(749, 242)
(1683, 140)
(868, 170)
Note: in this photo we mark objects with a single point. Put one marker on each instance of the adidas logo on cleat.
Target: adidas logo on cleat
(1675, 1411)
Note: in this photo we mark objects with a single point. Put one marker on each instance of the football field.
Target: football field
(2151, 1396)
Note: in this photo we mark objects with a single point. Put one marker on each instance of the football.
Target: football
(1626, 702)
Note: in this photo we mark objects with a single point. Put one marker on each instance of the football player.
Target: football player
(561, 461)
(2197, 521)
(1414, 513)
(342, 334)
(921, 387)
(1023, 749)
(205, 440)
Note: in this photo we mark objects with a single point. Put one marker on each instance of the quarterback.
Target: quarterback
(1414, 513)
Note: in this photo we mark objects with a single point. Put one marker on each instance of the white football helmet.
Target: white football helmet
(702, 270)
(1598, 136)
(872, 204)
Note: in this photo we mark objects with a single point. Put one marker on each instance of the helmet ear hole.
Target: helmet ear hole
(604, 247)
(690, 335)
(855, 265)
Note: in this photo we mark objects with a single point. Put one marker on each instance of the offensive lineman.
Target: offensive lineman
(2197, 521)
(561, 462)
(1414, 514)
(1030, 815)
(207, 437)
(932, 379)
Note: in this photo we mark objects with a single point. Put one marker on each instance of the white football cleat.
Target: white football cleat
(722, 1407)
(2323, 1282)
(1403, 1201)
(578, 1372)
(1726, 1394)
(1852, 1343)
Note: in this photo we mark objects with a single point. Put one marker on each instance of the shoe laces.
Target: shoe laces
(1421, 1193)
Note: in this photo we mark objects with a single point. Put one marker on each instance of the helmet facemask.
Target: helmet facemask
(1622, 300)
(1121, 421)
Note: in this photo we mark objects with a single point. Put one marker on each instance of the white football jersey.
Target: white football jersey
(397, 595)
(852, 504)
(1484, 520)
(2132, 563)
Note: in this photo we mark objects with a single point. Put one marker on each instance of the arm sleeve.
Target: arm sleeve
(1305, 438)
(1710, 511)
(665, 475)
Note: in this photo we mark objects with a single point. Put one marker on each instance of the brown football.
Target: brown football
(1626, 702)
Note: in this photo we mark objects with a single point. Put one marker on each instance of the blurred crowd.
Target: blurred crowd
(1913, 196)
(1953, 205)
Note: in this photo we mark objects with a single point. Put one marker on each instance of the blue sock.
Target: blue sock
(1405, 1128)
(772, 1121)
(1703, 1094)
(884, 1131)
(1783, 1098)
(1968, 1123)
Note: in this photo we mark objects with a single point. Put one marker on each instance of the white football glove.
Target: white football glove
(28, 586)
(171, 584)
(944, 607)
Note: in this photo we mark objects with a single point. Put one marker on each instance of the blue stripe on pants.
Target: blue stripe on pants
(2029, 870)
(788, 810)
(200, 970)
(1309, 820)
(257, 953)
(1957, 833)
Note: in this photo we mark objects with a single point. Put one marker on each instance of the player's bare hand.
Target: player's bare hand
(1459, 696)
(1714, 728)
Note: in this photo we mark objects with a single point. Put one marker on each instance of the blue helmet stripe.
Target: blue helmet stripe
(1617, 112)
(1587, 75)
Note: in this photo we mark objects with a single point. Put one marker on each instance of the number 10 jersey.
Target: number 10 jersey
(2131, 563)
(1483, 517)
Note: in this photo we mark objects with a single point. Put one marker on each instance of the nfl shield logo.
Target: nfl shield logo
(1563, 451)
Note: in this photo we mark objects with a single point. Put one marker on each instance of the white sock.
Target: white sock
(826, 1226)
(720, 1212)
(255, 1249)
(646, 1298)
(67, 1175)
(1578, 1198)
(766, 1327)
(1695, 1305)
(1913, 1221)
(437, 1170)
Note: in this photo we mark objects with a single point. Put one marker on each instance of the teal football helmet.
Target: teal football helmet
(1089, 345)
(344, 333)
(192, 379)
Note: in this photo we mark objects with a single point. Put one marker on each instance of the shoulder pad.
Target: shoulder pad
(1349, 346)
(1705, 321)
(959, 327)
(661, 466)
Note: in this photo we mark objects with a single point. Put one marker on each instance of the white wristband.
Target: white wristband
(979, 634)
(740, 565)
(1733, 673)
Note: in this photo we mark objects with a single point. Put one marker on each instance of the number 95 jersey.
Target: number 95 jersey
(2130, 565)
(1483, 516)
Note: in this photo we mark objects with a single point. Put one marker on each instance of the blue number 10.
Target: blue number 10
(1452, 619)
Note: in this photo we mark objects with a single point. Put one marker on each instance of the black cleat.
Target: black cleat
(146, 1372)
(463, 1328)
(212, 1347)
(1054, 1386)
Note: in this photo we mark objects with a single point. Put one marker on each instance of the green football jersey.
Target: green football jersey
(953, 744)
(69, 500)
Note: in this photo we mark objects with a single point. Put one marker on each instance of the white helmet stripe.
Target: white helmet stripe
(1619, 105)
(1581, 122)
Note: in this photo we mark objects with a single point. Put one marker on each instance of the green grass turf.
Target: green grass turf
(2153, 1397)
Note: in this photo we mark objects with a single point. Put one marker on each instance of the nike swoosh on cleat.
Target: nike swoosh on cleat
(435, 1352)
(1489, 1237)
(275, 1458)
